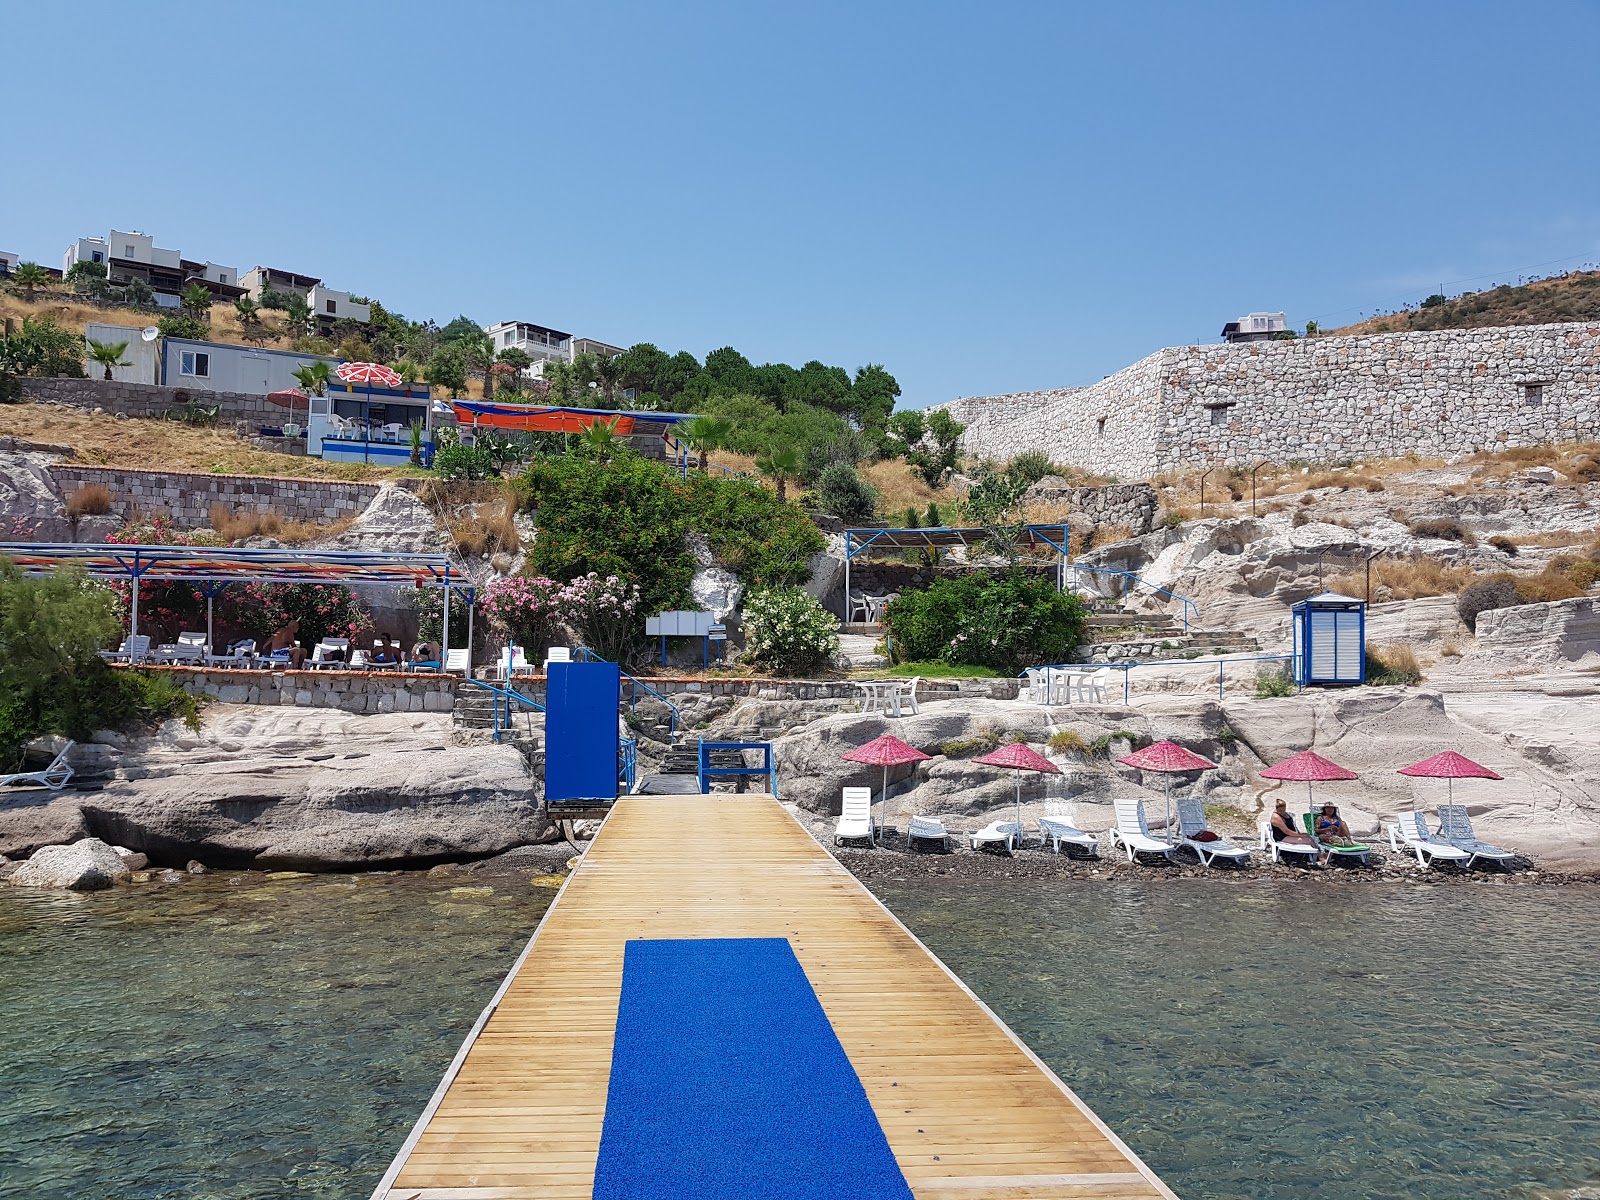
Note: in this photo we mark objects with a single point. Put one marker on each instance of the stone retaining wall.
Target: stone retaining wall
(795, 689)
(152, 400)
(352, 691)
(188, 498)
(1326, 399)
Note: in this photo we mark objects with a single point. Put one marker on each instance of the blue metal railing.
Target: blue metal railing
(1127, 669)
(584, 654)
(628, 766)
(1189, 606)
(504, 700)
(768, 767)
(679, 456)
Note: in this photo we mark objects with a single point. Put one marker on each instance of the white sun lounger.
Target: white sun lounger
(55, 776)
(1191, 821)
(133, 649)
(855, 815)
(1008, 832)
(319, 655)
(1410, 832)
(1133, 835)
(1455, 827)
(1057, 829)
(1277, 851)
(927, 829)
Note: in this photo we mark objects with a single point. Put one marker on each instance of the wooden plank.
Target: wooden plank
(969, 1112)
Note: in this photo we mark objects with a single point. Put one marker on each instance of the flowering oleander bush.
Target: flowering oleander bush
(602, 611)
(1006, 622)
(526, 609)
(787, 629)
(324, 610)
(166, 607)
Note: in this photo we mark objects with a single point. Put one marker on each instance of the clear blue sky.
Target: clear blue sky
(983, 198)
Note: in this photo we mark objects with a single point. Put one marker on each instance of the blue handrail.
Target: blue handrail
(628, 771)
(680, 456)
(768, 767)
(1127, 667)
(1189, 606)
(587, 655)
(507, 696)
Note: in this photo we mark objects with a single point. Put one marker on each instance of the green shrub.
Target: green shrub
(1273, 683)
(840, 492)
(630, 517)
(1030, 466)
(181, 325)
(1001, 621)
(463, 462)
(1442, 527)
(787, 629)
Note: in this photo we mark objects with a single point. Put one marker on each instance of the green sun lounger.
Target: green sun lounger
(1351, 851)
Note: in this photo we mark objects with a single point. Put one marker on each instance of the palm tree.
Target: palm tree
(608, 374)
(479, 353)
(108, 354)
(30, 277)
(196, 301)
(247, 309)
(600, 439)
(781, 464)
(314, 377)
(706, 434)
(297, 318)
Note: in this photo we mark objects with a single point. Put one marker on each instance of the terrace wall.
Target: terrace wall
(152, 400)
(188, 497)
(351, 691)
(1432, 393)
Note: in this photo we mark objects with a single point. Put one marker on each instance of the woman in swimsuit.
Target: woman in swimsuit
(1284, 831)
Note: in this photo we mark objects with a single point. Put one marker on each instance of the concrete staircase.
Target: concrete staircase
(1118, 636)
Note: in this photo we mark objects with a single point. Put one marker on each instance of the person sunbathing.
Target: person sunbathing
(287, 639)
(1283, 830)
(384, 654)
(1331, 827)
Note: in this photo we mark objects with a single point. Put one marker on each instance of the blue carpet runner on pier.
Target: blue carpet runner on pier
(727, 1080)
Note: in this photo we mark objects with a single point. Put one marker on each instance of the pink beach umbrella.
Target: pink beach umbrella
(288, 398)
(1020, 758)
(1448, 766)
(885, 751)
(1308, 767)
(1166, 758)
(369, 374)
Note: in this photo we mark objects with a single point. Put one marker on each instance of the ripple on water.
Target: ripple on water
(230, 1040)
(1363, 1042)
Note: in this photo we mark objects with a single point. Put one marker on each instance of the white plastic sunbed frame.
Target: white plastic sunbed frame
(1133, 835)
(1455, 827)
(1410, 833)
(1192, 820)
(1008, 832)
(55, 777)
(927, 829)
(1056, 830)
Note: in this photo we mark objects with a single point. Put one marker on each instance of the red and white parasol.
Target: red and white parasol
(1020, 758)
(1166, 758)
(885, 751)
(368, 373)
(1448, 766)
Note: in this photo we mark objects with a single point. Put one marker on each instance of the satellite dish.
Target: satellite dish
(149, 333)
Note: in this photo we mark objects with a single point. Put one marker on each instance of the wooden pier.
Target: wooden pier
(969, 1112)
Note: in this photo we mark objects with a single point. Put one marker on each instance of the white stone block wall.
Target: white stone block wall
(1319, 400)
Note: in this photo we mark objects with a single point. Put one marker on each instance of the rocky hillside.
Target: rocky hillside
(1574, 296)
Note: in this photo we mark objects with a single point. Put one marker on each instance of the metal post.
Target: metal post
(1203, 476)
(1253, 471)
(472, 597)
(444, 650)
(1126, 684)
(848, 539)
(1219, 679)
(133, 612)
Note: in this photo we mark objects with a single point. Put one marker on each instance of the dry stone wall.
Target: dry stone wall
(188, 498)
(1332, 399)
(151, 400)
(351, 691)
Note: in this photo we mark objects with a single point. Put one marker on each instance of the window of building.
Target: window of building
(333, 306)
(127, 251)
(1533, 394)
(1100, 427)
(222, 277)
(1219, 413)
(96, 256)
(196, 363)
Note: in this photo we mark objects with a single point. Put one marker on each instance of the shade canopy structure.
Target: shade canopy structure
(1019, 757)
(1448, 766)
(211, 568)
(368, 373)
(288, 398)
(1049, 539)
(1308, 767)
(1168, 759)
(536, 418)
(885, 751)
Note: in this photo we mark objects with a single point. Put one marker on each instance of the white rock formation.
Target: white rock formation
(88, 865)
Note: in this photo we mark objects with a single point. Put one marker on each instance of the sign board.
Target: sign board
(679, 623)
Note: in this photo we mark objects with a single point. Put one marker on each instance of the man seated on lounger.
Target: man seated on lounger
(425, 654)
(1283, 830)
(287, 638)
(1331, 827)
(384, 653)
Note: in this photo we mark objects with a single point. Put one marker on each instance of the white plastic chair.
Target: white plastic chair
(1092, 686)
(1058, 827)
(190, 647)
(456, 661)
(1455, 827)
(1133, 835)
(1410, 833)
(55, 776)
(860, 605)
(906, 694)
(319, 655)
(291, 429)
(555, 654)
(133, 649)
(1276, 850)
(1008, 832)
(927, 829)
(855, 816)
(1192, 821)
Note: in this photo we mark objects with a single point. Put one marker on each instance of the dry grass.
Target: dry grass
(234, 525)
(90, 500)
(1553, 538)
(899, 489)
(487, 530)
(1406, 579)
(104, 441)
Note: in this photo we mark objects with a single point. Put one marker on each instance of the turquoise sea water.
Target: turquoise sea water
(1296, 1040)
(249, 1037)
(260, 1038)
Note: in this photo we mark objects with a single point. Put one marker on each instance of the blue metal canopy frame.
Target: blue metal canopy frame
(859, 541)
(212, 568)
